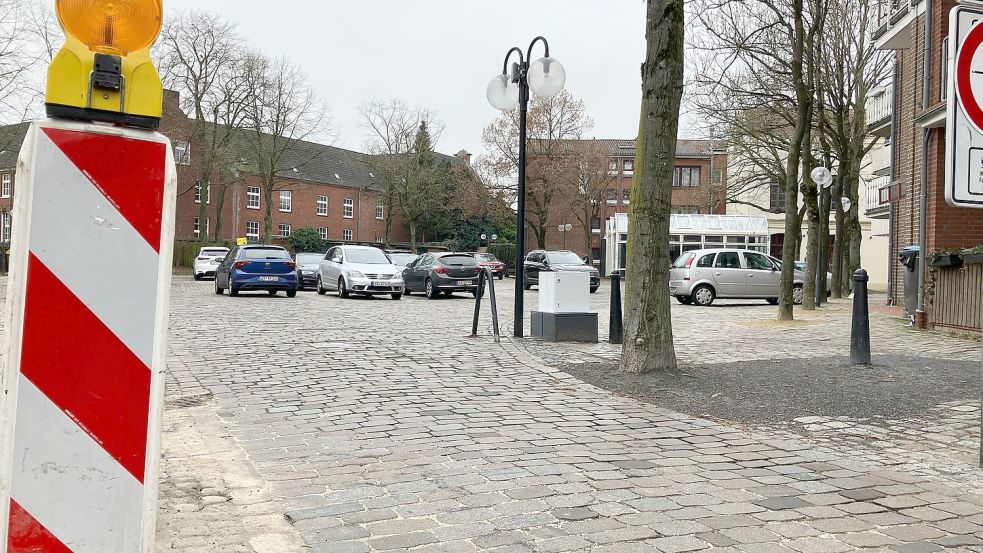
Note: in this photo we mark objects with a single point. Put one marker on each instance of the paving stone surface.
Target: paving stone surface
(377, 425)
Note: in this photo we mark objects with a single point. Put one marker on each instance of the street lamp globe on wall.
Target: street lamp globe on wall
(545, 78)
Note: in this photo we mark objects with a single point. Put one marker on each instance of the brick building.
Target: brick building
(699, 186)
(323, 187)
(908, 118)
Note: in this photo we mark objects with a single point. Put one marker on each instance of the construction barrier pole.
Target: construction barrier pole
(87, 302)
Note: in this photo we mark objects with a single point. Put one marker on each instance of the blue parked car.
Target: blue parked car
(260, 268)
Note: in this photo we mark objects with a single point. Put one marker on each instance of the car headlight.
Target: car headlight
(356, 274)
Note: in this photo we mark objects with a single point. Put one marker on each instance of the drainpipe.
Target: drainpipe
(923, 193)
(891, 278)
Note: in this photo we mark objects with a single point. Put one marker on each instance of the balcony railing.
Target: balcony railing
(875, 196)
(879, 108)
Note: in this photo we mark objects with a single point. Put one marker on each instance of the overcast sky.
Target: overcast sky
(442, 53)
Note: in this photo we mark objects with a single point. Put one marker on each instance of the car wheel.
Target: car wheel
(797, 294)
(431, 291)
(233, 291)
(703, 295)
(197, 277)
(271, 292)
(342, 291)
(526, 285)
(685, 300)
(397, 296)
(501, 277)
(593, 289)
(320, 286)
(291, 293)
(773, 301)
(218, 289)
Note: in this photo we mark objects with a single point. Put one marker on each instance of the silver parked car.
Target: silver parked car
(360, 270)
(702, 276)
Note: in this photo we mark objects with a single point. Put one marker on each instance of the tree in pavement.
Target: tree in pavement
(424, 186)
(648, 323)
(590, 163)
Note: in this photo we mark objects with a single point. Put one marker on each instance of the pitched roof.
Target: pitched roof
(11, 138)
(684, 147)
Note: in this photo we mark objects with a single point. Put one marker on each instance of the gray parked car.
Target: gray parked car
(702, 276)
(360, 270)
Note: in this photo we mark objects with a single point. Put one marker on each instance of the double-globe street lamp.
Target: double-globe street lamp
(545, 78)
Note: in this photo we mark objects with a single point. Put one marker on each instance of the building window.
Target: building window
(284, 230)
(349, 208)
(322, 232)
(182, 152)
(208, 192)
(944, 70)
(612, 195)
(346, 235)
(613, 168)
(208, 224)
(777, 198)
(5, 186)
(286, 201)
(380, 212)
(252, 197)
(629, 166)
(252, 229)
(5, 227)
(684, 210)
(686, 177)
(322, 206)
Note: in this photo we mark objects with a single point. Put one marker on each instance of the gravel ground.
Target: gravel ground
(774, 391)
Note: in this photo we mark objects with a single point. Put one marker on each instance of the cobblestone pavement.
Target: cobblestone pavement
(376, 425)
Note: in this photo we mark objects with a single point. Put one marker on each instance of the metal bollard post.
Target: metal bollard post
(615, 330)
(860, 334)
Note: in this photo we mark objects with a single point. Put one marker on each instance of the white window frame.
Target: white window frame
(253, 192)
(5, 224)
(284, 230)
(253, 224)
(197, 227)
(348, 210)
(944, 70)
(322, 232)
(380, 212)
(208, 193)
(286, 199)
(347, 235)
(5, 185)
(322, 206)
(182, 152)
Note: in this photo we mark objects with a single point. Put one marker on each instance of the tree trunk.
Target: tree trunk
(267, 211)
(202, 213)
(810, 197)
(412, 225)
(837, 284)
(648, 325)
(219, 206)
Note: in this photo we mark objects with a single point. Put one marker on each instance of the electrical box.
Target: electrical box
(564, 292)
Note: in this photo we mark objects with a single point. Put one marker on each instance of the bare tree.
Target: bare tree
(589, 162)
(281, 112)
(200, 56)
(648, 323)
(392, 127)
(552, 123)
(18, 56)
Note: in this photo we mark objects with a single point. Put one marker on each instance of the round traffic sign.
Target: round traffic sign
(969, 76)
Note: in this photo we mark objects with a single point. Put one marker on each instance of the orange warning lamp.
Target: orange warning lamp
(104, 71)
(112, 26)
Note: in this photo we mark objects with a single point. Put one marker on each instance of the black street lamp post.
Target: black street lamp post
(545, 78)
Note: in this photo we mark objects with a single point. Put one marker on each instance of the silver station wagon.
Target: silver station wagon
(701, 276)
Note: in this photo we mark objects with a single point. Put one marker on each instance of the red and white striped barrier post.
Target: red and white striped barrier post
(87, 300)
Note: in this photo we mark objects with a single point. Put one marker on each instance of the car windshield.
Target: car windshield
(564, 258)
(402, 258)
(214, 253)
(309, 258)
(681, 260)
(485, 257)
(368, 256)
(458, 260)
(266, 253)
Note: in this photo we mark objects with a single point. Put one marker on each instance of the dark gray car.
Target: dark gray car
(540, 261)
(441, 273)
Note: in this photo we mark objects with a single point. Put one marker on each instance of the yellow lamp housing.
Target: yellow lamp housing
(104, 71)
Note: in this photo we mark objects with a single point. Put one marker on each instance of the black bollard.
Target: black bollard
(615, 330)
(860, 335)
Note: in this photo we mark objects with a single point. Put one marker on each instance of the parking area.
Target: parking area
(380, 425)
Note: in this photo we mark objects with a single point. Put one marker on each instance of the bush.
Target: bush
(504, 252)
(307, 240)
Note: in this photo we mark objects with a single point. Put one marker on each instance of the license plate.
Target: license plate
(464, 282)
(382, 283)
(269, 279)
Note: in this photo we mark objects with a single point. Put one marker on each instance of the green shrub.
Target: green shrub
(307, 240)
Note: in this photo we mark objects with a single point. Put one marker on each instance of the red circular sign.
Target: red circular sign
(964, 75)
